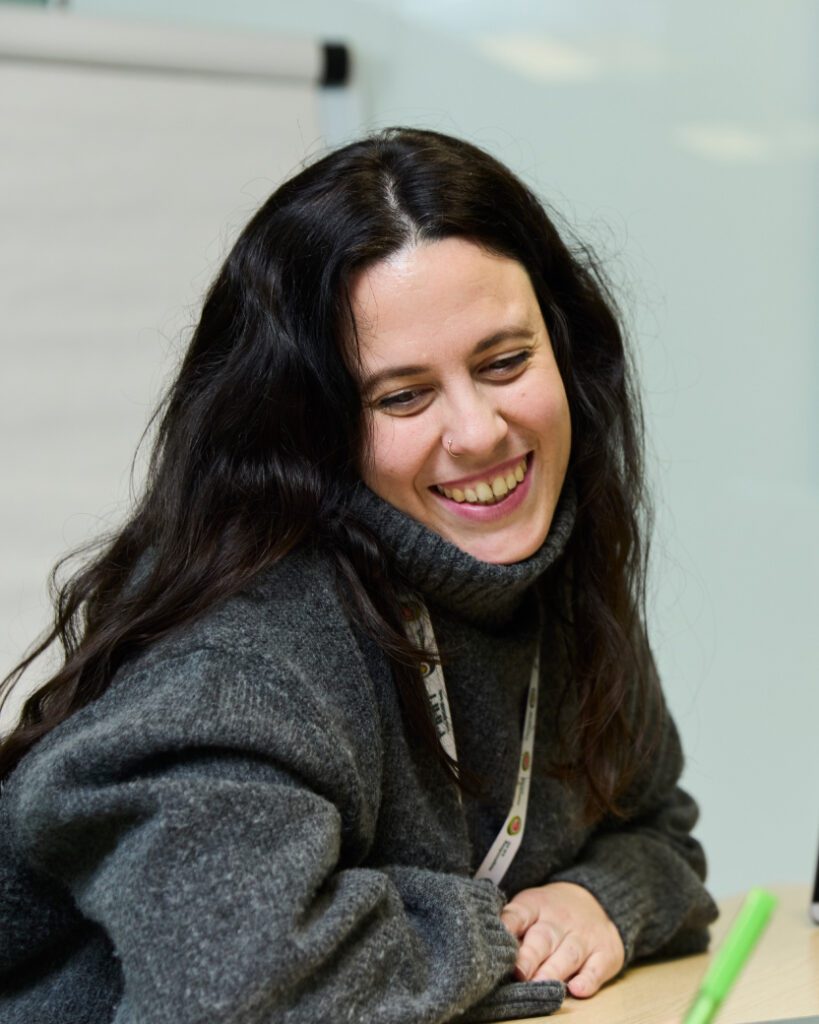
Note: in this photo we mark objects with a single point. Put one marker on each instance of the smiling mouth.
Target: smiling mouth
(489, 491)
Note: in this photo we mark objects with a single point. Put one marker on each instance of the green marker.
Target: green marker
(730, 959)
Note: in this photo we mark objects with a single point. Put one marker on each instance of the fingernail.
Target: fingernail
(524, 968)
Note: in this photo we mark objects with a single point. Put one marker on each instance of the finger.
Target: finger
(594, 973)
(537, 945)
(517, 918)
(565, 960)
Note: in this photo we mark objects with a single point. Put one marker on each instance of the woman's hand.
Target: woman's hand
(565, 934)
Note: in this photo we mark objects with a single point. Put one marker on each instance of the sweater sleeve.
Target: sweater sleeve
(648, 871)
(213, 828)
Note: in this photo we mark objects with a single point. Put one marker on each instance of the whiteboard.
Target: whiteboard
(126, 170)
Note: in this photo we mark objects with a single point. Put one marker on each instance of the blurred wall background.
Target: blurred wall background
(681, 139)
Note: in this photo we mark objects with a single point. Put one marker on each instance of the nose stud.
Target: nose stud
(455, 455)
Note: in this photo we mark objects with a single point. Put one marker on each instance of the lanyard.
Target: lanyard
(502, 852)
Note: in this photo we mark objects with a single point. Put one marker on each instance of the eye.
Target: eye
(403, 402)
(508, 366)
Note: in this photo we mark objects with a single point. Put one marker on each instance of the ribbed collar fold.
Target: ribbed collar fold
(452, 579)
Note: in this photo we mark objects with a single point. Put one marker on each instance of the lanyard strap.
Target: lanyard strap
(502, 851)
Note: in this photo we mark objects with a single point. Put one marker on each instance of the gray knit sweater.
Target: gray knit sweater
(239, 830)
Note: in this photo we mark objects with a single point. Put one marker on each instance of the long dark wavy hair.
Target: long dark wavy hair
(260, 435)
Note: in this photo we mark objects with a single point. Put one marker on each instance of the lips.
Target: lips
(486, 489)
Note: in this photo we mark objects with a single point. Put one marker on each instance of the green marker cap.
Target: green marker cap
(732, 955)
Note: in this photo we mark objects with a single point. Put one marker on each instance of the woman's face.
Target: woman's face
(454, 350)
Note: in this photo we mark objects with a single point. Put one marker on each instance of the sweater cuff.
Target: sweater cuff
(510, 999)
(487, 902)
(516, 999)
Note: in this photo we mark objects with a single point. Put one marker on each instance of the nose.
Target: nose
(474, 425)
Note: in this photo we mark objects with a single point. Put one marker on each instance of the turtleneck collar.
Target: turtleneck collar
(448, 577)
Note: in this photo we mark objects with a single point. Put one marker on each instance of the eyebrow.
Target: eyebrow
(375, 380)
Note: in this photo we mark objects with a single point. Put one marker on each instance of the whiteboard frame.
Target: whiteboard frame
(60, 36)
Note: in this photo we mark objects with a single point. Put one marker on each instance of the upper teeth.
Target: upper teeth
(485, 492)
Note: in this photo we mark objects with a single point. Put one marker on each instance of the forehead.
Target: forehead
(443, 293)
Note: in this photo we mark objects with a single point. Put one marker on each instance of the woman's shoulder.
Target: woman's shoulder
(289, 611)
(273, 667)
(286, 630)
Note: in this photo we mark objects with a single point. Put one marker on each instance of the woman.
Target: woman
(357, 719)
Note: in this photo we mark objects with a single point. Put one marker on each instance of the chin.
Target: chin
(498, 551)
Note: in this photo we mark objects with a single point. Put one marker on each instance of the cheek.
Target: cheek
(559, 427)
(557, 418)
(396, 455)
(545, 411)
